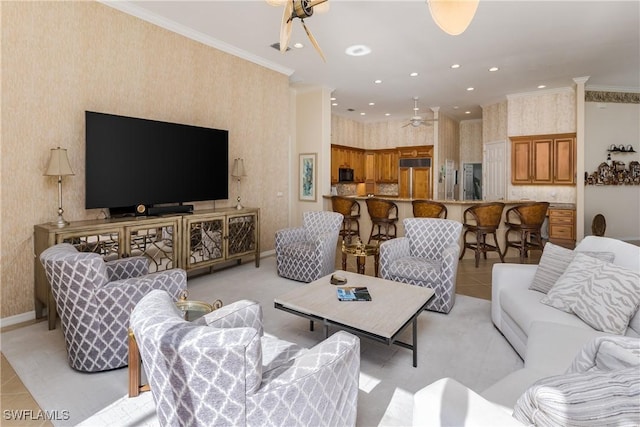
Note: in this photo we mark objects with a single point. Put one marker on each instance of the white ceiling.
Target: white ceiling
(532, 42)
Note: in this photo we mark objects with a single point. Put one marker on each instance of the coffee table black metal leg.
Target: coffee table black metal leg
(311, 325)
(415, 342)
(326, 330)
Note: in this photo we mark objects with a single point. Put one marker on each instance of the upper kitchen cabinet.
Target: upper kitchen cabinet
(347, 157)
(387, 166)
(416, 151)
(543, 159)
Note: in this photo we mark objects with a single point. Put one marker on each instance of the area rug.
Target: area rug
(462, 344)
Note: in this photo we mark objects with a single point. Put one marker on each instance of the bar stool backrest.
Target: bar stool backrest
(380, 209)
(344, 205)
(486, 215)
(429, 209)
(530, 215)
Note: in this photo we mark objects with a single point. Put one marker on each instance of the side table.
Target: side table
(191, 310)
(361, 251)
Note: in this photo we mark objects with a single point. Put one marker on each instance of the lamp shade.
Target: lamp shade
(58, 163)
(453, 16)
(238, 168)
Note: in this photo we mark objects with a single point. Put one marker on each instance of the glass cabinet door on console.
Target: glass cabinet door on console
(155, 240)
(242, 233)
(106, 243)
(206, 236)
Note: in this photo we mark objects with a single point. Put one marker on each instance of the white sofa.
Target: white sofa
(546, 338)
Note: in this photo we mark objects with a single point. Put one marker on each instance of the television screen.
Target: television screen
(132, 161)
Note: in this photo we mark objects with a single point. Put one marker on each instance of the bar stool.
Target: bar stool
(383, 214)
(485, 219)
(350, 210)
(525, 220)
(429, 209)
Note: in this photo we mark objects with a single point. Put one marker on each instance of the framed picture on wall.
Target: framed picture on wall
(308, 177)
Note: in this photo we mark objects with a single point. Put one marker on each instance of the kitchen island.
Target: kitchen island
(455, 211)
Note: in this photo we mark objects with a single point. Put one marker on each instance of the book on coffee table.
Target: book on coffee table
(353, 293)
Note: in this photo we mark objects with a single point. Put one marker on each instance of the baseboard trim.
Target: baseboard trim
(18, 318)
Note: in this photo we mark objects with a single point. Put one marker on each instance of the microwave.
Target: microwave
(345, 175)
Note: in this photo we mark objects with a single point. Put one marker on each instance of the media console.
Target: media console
(189, 241)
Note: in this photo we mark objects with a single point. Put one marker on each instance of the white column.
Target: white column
(580, 150)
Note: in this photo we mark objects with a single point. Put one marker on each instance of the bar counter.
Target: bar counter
(455, 211)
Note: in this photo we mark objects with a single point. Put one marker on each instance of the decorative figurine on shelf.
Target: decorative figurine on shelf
(609, 159)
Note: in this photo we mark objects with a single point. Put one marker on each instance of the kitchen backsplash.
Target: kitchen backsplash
(387, 190)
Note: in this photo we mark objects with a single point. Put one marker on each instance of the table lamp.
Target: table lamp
(238, 172)
(59, 166)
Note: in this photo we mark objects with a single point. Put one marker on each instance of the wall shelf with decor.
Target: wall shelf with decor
(614, 174)
(621, 149)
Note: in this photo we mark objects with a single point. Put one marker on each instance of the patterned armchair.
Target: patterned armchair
(309, 252)
(426, 256)
(95, 298)
(222, 370)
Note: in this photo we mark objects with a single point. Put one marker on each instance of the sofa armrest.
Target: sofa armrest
(508, 275)
(239, 314)
(125, 268)
(329, 373)
(446, 402)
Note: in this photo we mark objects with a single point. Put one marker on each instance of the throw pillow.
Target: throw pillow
(602, 294)
(593, 398)
(554, 261)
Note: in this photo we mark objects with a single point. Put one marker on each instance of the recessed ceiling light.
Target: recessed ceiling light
(414, 74)
(494, 69)
(298, 45)
(541, 86)
(455, 107)
(377, 81)
(470, 89)
(363, 114)
(335, 104)
(372, 103)
(454, 66)
(467, 112)
(358, 50)
(387, 114)
(333, 98)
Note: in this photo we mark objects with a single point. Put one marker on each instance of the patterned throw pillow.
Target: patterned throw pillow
(594, 398)
(602, 294)
(554, 261)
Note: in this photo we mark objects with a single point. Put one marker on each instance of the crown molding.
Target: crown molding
(596, 88)
(145, 15)
(541, 92)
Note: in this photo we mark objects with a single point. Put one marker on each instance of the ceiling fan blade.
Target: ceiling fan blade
(313, 40)
(285, 28)
(404, 126)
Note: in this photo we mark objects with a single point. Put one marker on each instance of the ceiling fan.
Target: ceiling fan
(417, 120)
(300, 9)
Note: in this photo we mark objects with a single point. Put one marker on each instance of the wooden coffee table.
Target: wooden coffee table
(393, 307)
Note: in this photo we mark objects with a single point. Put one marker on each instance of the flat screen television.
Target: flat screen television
(132, 162)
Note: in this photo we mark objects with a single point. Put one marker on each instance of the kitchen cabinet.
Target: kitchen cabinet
(387, 166)
(562, 227)
(347, 157)
(543, 159)
(415, 151)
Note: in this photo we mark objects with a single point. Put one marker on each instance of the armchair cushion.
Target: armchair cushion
(413, 268)
(124, 268)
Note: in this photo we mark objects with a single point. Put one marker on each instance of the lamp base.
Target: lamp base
(61, 222)
(239, 206)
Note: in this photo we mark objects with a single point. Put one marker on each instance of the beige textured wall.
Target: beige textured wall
(347, 132)
(471, 141)
(62, 58)
(494, 122)
(392, 133)
(448, 149)
(542, 113)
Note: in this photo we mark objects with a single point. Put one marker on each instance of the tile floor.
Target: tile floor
(471, 281)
